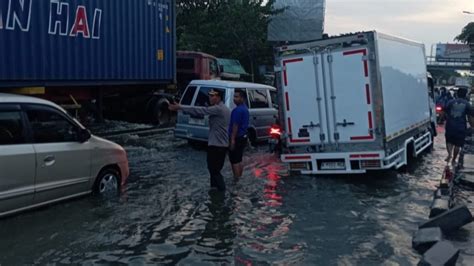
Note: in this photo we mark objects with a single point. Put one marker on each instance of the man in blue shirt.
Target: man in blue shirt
(457, 111)
(239, 123)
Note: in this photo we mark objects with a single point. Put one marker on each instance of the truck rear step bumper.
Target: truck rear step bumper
(335, 163)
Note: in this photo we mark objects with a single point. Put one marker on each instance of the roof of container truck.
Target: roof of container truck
(232, 84)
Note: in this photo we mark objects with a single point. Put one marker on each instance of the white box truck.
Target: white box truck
(353, 103)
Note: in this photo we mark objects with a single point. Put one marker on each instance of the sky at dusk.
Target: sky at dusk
(426, 21)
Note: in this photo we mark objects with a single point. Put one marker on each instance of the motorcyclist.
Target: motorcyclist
(443, 98)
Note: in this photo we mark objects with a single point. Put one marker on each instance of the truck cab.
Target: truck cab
(195, 66)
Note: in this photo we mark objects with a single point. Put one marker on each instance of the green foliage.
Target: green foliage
(467, 34)
(226, 28)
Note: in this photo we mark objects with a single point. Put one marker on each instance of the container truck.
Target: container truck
(353, 103)
(77, 52)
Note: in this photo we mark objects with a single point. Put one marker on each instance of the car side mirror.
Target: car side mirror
(84, 135)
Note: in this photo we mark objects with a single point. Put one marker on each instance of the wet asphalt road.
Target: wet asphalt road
(168, 216)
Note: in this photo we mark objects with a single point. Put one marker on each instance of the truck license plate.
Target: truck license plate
(333, 166)
(195, 121)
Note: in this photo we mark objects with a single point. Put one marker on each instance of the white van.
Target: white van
(47, 156)
(262, 109)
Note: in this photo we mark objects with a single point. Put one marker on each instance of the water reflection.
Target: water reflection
(169, 216)
(216, 241)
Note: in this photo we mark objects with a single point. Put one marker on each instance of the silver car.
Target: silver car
(47, 156)
(260, 101)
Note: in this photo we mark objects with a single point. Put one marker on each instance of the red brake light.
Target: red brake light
(439, 108)
(275, 131)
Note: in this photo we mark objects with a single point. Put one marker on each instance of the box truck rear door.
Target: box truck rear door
(349, 95)
(304, 107)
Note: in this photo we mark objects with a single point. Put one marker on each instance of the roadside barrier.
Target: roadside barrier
(444, 217)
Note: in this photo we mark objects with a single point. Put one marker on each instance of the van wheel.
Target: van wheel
(107, 182)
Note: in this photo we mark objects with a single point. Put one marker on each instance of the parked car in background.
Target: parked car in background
(47, 156)
(259, 100)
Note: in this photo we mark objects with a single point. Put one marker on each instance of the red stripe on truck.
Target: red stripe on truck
(291, 134)
(367, 92)
(304, 157)
(287, 101)
(299, 140)
(292, 60)
(362, 138)
(366, 68)
(285, 62)
(361, 51)
(371, 126)
(371, 155)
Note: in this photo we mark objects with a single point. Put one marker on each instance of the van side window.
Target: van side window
(202, 98)
(50, 127)
(11, 128)
(258, 98)
(188, 95)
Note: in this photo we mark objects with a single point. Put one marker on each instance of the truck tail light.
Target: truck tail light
(298, 166)
(370, 164)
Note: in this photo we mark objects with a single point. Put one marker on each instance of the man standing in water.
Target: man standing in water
(218, 141)
(239, 123)
(457, 112)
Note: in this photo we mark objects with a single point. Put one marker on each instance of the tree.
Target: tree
(467, 34)
(227, 28)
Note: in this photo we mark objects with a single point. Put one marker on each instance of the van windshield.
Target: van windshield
(188, 95)
(202, 98)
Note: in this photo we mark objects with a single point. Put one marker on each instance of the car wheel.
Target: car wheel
(107, 182)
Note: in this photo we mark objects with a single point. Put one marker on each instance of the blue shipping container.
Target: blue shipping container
(69, 42)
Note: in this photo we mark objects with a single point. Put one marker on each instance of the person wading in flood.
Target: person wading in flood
(218, 141)
(239, 123)
(457, 112)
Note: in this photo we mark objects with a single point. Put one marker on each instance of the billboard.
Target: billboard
(453, 52)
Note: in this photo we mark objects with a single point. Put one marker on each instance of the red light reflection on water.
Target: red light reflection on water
(270, 190)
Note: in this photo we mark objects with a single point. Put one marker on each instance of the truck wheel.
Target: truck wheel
(161, 114)
(410, 154)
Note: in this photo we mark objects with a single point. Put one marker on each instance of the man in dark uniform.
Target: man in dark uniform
(218, 140)
(458, 112)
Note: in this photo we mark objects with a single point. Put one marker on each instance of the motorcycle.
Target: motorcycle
(439, 114)
(274, 142)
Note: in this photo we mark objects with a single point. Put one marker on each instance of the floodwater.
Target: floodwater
(167, 215)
